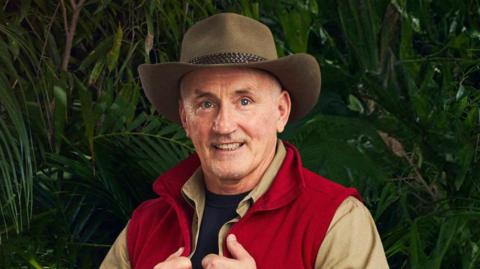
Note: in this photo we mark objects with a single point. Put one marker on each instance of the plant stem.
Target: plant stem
(70, 30)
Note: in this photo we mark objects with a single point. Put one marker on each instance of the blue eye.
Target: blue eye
(244, 101)
(206, 104)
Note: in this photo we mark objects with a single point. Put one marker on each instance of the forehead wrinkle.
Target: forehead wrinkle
(263, 79)
(267, 80)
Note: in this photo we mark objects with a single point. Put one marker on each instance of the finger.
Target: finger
(175, 263)
(207, 261)
(177, 253)
(236, 249)
(182, 263)
(212, 261)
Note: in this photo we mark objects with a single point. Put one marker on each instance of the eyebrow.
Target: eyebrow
(199, 93)
(244, 91)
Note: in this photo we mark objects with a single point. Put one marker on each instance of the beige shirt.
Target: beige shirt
(351, 241)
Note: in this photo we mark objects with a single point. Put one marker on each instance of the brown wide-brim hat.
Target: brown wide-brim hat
(231, 40)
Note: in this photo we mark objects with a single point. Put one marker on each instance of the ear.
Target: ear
(183, 116)
(284, 106)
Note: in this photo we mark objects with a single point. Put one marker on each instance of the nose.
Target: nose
(224, 122)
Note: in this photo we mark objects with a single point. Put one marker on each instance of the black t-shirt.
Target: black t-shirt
(219, 209)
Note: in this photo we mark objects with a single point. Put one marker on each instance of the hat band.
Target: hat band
(227, 58)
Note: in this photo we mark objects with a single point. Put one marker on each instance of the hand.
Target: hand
(241, 258)
(175, 261)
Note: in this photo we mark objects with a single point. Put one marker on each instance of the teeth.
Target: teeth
(228, 146)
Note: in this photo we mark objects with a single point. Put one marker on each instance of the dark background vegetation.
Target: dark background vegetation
(398, 118)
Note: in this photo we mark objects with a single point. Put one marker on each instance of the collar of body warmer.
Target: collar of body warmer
(280, 184)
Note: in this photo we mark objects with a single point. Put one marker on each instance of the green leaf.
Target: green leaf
(418, 258)
(96, 71)
(97, 54)
(460, 92)
(113, 54)
(296, 26)
(313, 7)
(250, 9)
(387, 198)
(343, 149)
(448, 230)
(88, 114)
(473, 118)
(17, 161)
(355, 104)
(60, 113)
(360, 24)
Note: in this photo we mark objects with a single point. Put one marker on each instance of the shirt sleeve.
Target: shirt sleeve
(117, 256)
(352, 240)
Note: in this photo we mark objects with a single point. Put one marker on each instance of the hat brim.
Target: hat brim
(299, 74)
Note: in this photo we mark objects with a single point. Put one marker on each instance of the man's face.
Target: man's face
(232, 116)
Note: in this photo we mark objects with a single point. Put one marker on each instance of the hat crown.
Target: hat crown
(228, 33)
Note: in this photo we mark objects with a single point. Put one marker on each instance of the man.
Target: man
(243, 200)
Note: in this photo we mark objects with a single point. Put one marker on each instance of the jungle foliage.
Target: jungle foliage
(398, 118)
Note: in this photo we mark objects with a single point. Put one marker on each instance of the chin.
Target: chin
(227, 174)
(230, 175)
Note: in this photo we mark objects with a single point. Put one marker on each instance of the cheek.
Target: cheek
(262, 126)
(198, 129)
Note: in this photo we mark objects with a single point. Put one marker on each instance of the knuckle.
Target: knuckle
(250, 261)
(185, 262)
(210, 262)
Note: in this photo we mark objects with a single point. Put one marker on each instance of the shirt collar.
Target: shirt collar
(194, 188)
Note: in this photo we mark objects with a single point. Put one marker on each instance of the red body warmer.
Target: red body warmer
(283, 229)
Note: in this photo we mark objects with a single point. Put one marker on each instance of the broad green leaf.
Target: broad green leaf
(355, 104)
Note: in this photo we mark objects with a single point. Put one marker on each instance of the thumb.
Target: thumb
(177, 253)
(236, 249)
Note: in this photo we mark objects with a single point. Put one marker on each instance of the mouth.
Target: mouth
(228, 146)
